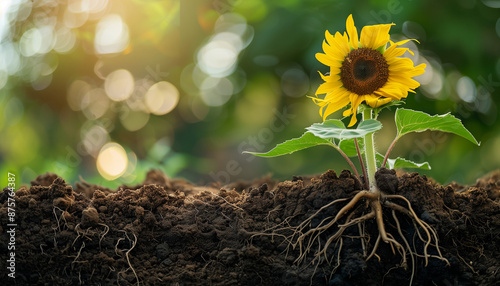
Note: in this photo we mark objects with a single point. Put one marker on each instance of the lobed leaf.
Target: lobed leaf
(399, 163)
(402, 163)
(408, 120)
(336, 129)
(307, 140)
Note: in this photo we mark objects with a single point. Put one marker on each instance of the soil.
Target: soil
(171, 232)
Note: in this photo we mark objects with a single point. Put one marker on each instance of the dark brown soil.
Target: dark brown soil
(170, 232)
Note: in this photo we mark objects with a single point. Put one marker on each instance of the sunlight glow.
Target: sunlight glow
(162, 97)
(466, 89)
(64, 40)
(112, 161)
(112, 35)
(9, 58)
(433, 79)
(119, 85)
(36, 41)
(216, 91)
(90, 6)
(75, 20)
(218, 58)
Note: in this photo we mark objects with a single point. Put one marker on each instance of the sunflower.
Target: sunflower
(364, 70)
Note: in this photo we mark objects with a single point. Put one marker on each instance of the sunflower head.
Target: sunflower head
(364, 69)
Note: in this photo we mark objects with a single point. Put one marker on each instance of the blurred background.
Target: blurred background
(105, 90)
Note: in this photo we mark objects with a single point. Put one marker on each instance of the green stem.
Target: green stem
(371, 165)
(361, 162)
(389, 151)
(348, 161)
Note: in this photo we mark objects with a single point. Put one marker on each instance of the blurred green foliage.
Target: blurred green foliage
(240, 72)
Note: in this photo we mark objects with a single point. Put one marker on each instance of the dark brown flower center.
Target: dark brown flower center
(363, 71)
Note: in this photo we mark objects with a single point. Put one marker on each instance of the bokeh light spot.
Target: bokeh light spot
(9, 58)
(119, 85)
(112, 35)
(466, 89)
(75, 20)
(94, 138)
(95, 103)
(76, 92)
(90, 6)
(112, 161)
(492, 3)
(134, 120)
(31, 42)
(414, 30)
(216, 91)
(41, 76)
(231, 22)
(22, 11)
(432, 80)
(64, 40)
(161, 98)
(218, 58)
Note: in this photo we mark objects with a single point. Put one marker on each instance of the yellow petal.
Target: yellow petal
(334, 70)
(328, 87)
(339, 42)
(400, 65)
(340, 100)
(355, 102)
(375, 36)
(330, 78)
(329, 38)
(317, 101)
(333, 53)
(393, 52)
(336, 47)
(404, 42)
(391, 92)
(376, 101)
(328, 61)
(353, 32)
(420, 69)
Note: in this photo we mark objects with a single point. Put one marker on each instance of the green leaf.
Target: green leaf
(380, 159)
(400, 163)
(403, 163)
(349, 147)
(288, 147)
(336, 129)
(408, 120)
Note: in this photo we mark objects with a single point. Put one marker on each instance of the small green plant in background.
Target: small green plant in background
(367, 75)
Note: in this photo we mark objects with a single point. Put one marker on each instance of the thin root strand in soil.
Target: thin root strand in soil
(305, 237)
(157, 234)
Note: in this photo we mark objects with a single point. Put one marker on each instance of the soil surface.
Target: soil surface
(170, 232)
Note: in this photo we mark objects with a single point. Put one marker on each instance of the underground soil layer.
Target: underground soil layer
(171, 232)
